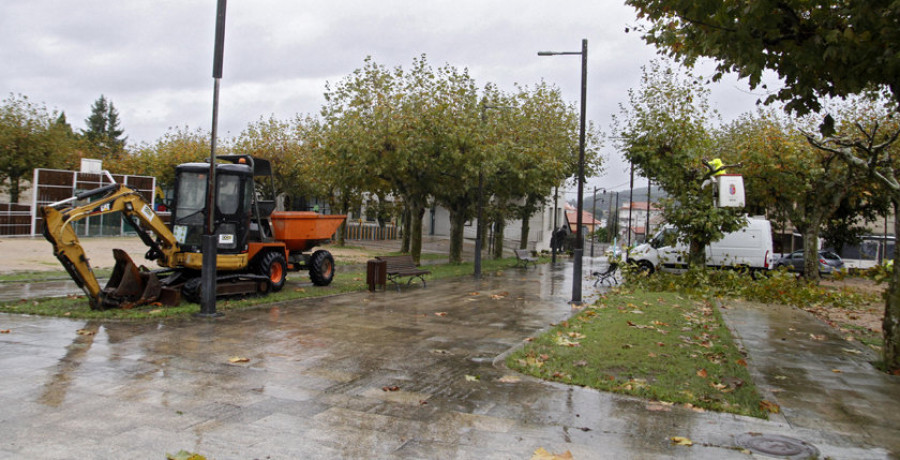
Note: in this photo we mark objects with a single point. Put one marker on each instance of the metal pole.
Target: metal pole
(593, 222)
(630, 207)
(478, 235)
(579, 237)
(208, 241)
(647, 227)
(555, 224)
(579, 232)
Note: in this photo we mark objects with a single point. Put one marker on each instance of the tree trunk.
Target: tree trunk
(406, 222)
(14, 189)
(417, 211)
(526, 228)
(811, 252)
(891, 323)
(499, 227)
(457, 225)
(697, 255)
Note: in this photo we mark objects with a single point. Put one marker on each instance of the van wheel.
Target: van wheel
(645, 266)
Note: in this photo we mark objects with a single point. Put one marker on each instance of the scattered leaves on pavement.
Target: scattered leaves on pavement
(390, 388)
(440, 313)
(769, 406)
(472, 378)
(542, 454)
(185, 455)
(238, 359)
(87, 332)
(681, 441)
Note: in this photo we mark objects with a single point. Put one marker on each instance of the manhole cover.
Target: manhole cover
(776, 446)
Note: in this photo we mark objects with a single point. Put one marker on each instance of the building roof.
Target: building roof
(640, 206)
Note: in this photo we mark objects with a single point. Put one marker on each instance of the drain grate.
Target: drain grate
(776, 446)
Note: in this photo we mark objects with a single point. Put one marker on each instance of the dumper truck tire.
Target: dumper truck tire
(273, 266)
(321, 268)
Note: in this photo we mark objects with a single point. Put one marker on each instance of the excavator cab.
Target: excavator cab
(233, 208)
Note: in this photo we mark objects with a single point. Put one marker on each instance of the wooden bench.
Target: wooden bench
(524, 256)
(401, 267)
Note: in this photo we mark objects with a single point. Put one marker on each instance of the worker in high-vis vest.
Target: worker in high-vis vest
(716, 167)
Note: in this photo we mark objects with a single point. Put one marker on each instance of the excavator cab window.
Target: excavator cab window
(232, 215)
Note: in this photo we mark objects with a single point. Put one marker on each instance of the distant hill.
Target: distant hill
(604, 199)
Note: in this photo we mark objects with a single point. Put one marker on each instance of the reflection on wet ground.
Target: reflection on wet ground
(367, 375)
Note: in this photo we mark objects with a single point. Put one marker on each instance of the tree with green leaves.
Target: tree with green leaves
(665, 132)
(178, 145)
(789, 176)
(289, 145)
(103, 133)
(30, 138)
(826, 49)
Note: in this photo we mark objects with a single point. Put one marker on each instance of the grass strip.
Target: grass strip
(345, 282)
(657, 345)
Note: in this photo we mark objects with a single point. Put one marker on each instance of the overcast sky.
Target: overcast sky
(153, 59)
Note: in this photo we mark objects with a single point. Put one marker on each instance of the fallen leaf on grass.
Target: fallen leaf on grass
(741, 362)
(577, 335)
(580, 363)
(702, 373)
(304, 290)
(562, 341)
(769, 406)
(681, 441)
(543, 454)
(238, 359)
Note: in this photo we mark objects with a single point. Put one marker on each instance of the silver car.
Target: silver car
(829, 262)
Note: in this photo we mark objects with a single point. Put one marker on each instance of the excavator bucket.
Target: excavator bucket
(128, 286)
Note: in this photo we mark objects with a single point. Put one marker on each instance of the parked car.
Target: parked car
(829, 262)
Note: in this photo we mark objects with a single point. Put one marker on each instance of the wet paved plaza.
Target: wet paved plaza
(390, 375)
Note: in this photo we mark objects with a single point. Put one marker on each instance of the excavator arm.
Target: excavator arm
(126, 285)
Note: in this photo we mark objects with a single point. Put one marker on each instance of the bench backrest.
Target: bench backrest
(522, 253)
(398, 261)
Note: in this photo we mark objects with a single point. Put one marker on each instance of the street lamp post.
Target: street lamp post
(593, 223)
(208, 239)
(579, 235)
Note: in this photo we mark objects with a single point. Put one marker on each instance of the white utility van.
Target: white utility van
(750, 248)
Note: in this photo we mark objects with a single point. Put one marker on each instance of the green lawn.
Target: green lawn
(657, 345)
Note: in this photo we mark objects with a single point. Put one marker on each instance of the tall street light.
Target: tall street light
(208, 240)
(579, 235)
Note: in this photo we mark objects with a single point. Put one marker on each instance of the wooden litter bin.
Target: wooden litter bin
(376, 274)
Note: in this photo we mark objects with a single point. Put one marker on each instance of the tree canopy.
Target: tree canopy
(820, 49)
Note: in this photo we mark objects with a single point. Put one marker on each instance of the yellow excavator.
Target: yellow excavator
(256, 246)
